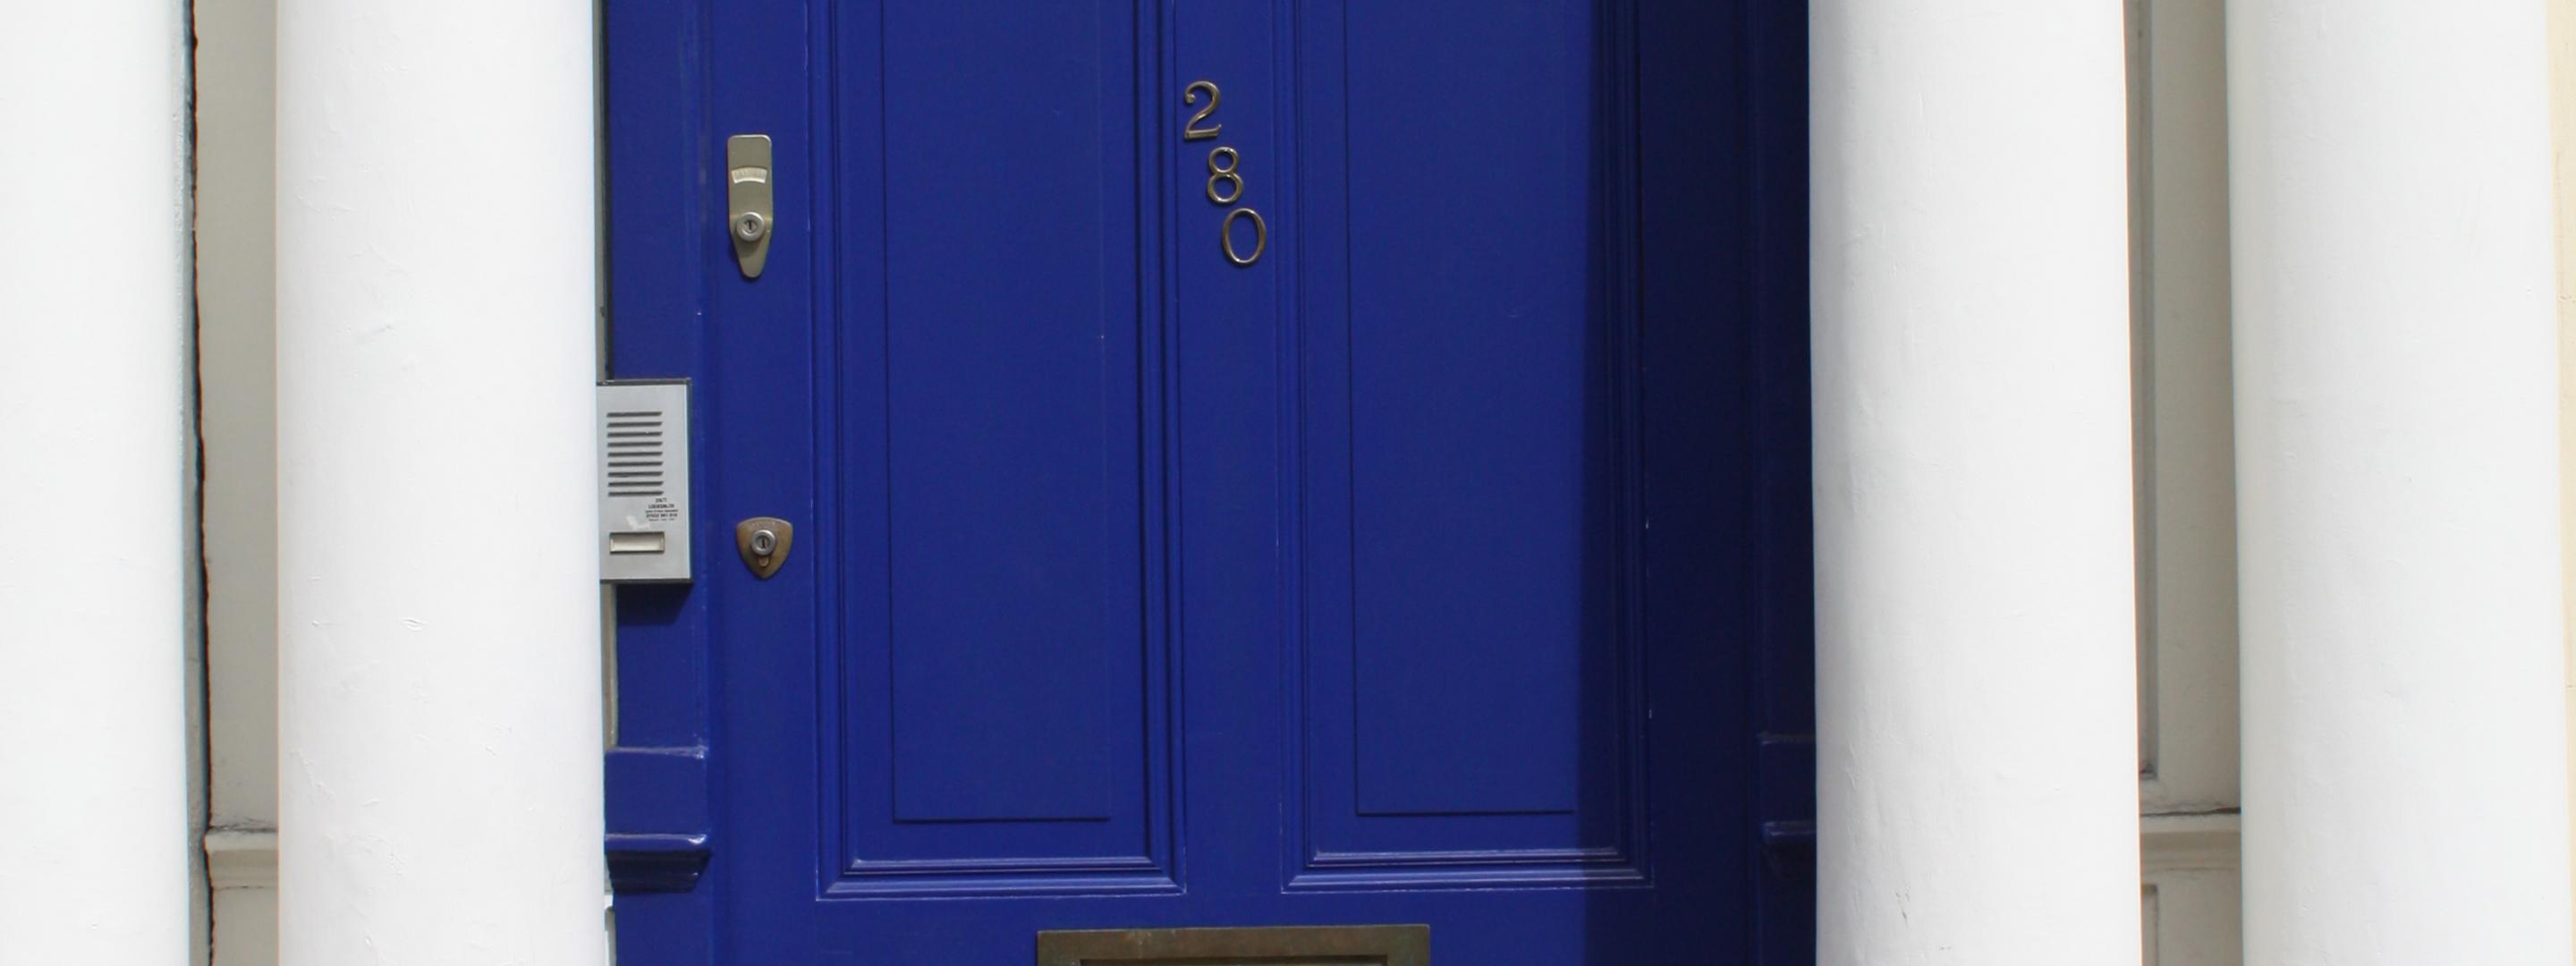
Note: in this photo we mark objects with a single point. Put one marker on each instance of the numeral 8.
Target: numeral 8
(1224, 172)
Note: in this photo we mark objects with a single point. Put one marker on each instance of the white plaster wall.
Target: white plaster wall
(1976, 685)
(2562, 122)
(236, 282)
(425, 361)
(97, 487)
(2398, 524)
(2564, 182)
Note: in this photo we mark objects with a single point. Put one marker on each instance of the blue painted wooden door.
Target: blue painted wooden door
(1254, 462)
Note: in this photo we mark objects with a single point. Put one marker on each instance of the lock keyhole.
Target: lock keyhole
(763, 542)
(751, 212)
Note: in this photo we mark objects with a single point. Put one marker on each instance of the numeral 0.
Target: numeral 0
(1260, 236)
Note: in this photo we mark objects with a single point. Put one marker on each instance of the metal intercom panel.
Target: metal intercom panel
(644, 481)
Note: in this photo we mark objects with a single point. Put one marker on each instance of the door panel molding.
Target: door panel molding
(991, 435)
(1468, 473)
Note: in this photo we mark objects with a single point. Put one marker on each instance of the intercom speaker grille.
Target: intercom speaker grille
(634, 463)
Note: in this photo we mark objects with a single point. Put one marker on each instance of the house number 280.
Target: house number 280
(1225, 180)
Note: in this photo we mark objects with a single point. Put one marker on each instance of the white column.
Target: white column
(1975, 666)
(2405, 770)
(95, 478)
(439, 720)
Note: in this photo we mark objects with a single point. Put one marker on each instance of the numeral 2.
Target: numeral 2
(1190, 95)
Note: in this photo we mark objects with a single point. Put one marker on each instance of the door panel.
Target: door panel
(1010, 427)
(997, 567)
(1469, 628)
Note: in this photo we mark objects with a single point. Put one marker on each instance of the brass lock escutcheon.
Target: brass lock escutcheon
(764, 542)
(750, 200)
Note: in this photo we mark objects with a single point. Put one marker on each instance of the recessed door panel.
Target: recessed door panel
(996, 606)
(1470, 544)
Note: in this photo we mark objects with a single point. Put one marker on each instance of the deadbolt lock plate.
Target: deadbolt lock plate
(751, 209)
(764, 542)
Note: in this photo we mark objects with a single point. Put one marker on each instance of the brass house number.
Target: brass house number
(1224, 183)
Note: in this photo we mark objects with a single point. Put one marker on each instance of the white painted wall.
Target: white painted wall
(438, 589)
(1976, 677)
(96, 484)
(2562, 114)
(2396, 412)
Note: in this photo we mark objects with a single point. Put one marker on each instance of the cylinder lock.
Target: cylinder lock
(763, 542)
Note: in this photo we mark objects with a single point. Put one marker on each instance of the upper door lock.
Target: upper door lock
(753, 212)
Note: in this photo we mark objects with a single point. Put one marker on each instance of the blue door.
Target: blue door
(1253, 463)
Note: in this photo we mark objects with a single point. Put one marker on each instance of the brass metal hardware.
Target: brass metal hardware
(1271, 946)
(1220, 173)
(751, 200)
(764, 542)
(1191, 131)
(1260, 236)
(1225, 177)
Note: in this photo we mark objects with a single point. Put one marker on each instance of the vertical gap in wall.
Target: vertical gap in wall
(2142, 445)
(193, 636)
(602, 329)
(2150, 910)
